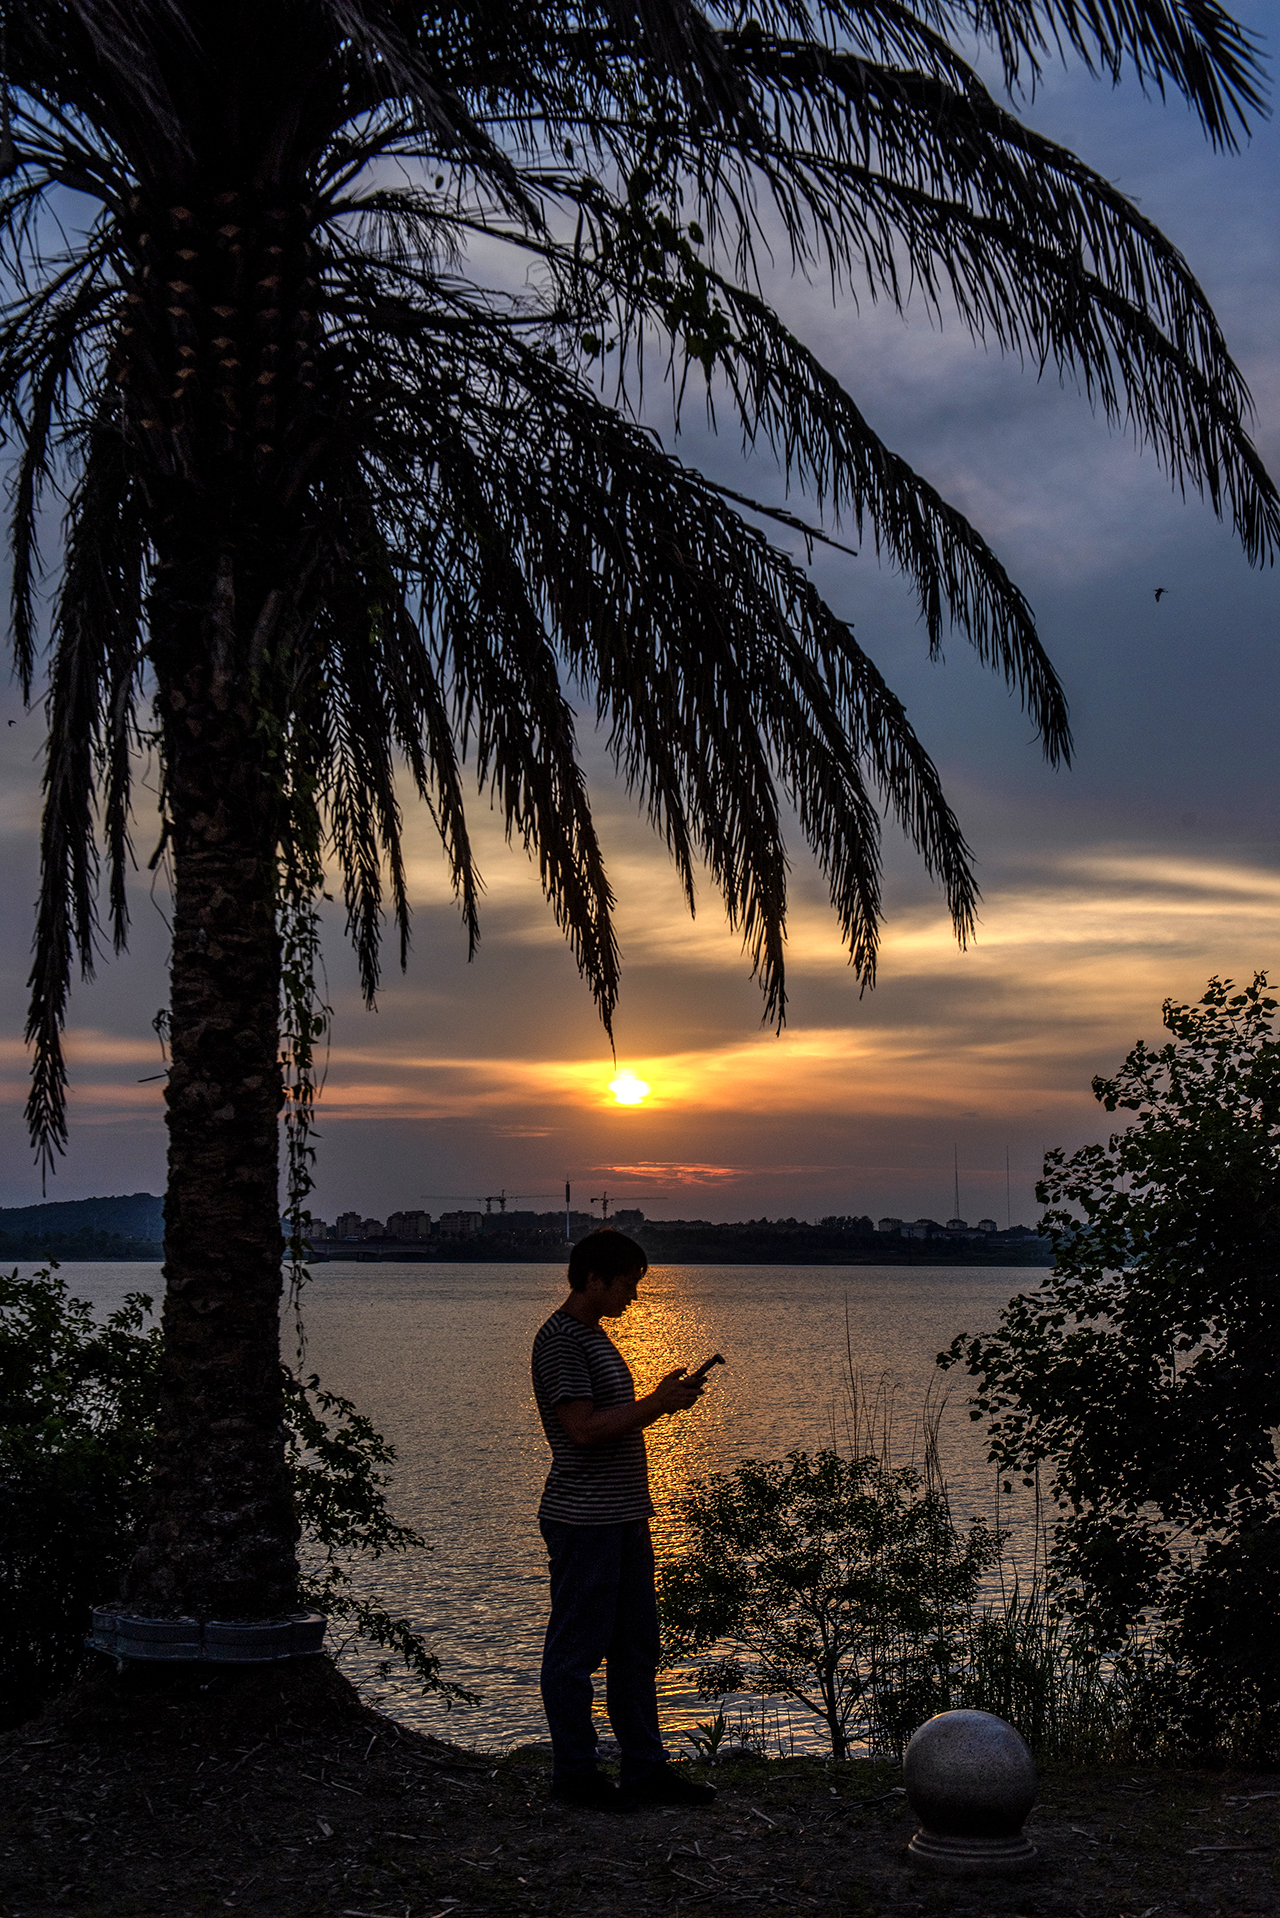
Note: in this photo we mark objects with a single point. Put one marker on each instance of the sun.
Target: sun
(628, 1090)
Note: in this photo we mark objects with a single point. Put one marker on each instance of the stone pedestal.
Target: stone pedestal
(971, 1781)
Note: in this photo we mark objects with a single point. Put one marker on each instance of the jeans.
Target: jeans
(603, 1610)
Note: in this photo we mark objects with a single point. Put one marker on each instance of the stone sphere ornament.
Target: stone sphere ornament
(971, 1782)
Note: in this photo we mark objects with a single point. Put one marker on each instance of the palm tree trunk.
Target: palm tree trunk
(221, 1543)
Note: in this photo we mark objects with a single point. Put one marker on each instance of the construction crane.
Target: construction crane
(605, 1201)
(504, 1198)
(489, 1199)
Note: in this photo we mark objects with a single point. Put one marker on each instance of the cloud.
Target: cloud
(676, 1173)
(1075, 954)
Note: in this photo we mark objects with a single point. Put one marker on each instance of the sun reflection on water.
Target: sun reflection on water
(660, 1332)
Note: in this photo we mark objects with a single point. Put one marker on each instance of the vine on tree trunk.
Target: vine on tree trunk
(305, 1019)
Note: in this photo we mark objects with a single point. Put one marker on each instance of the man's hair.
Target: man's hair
(607, 1254)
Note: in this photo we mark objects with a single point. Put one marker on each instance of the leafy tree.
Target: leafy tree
(1144, 1371)
(843, 1584)
(77, 1419)
(78, 1403)
(333, 506)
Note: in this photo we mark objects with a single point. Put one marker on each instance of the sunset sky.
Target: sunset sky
(1151, 864)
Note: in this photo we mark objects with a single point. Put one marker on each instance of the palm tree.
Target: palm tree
(337, 512)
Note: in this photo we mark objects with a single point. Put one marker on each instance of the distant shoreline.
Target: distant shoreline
(923, 1253)
(129, 1230)
(664, 1255)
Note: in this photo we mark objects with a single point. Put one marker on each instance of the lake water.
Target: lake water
(438, 1357)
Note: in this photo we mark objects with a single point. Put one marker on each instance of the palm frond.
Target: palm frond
(684, 45)
(359, 791)
(721, 675)
(931, 189)
(1191, 47)
(364, 688)
(485, 613)
(935, 189)
(45, 339)
(97, 651)
(784, 395)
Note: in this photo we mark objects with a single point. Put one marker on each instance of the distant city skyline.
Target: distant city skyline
(414, 1222)
(1151, 865)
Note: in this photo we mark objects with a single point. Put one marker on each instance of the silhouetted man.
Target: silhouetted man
(594, 1517)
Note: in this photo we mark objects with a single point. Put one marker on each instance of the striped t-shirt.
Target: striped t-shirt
(588, 1484)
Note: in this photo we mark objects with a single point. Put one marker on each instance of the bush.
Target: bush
(77, 1404)
(842, 1584)
(76, 1414)
(1145, 1373)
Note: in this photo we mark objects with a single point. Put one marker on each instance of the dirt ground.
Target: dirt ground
(278, 1795)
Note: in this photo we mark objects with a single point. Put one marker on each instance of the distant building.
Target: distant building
(351, 1226)
(314, 1233)
(960, 1229)
(459, 1225)
(921, 1229)
(409, 1225)
(888, 1225)
(634, 1217)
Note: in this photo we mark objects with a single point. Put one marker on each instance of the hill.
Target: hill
(125, 1227)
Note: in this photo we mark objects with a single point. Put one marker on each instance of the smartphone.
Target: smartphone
(696, 1378)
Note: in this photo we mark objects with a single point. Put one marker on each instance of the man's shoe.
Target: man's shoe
(665, 1785)
(591, 1791)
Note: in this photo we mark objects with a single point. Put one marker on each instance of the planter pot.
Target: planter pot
(211, 1641)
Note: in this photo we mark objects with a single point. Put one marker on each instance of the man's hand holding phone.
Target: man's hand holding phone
(680, 1389)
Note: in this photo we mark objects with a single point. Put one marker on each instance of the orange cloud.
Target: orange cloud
(676, 1172)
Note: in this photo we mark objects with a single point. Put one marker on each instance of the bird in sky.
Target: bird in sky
(1160, 591)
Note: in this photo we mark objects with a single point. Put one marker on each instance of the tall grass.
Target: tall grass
(1022, 1662)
